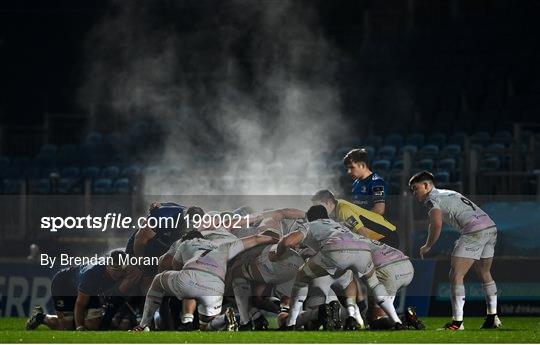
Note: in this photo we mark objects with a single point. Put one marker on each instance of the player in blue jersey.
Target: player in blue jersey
(369, 189)
(77, 292)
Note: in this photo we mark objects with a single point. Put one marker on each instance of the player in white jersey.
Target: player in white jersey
(475, 246)
(204, 265)
(338, 250)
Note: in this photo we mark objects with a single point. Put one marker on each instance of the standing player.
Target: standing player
(475, 246)
(369, 189)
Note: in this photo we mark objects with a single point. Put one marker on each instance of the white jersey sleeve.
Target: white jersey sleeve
(458, 211)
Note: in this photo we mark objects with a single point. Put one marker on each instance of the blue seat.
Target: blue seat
(32, 172)
(495, 150)
(397, 165)
(381, 166)
(152, 170)
(447, 164)
(437, 139)
(94, 138)
(394, 139)
(386, 152)
(412, 149)
(416, 139)
(442, 177)
(480, 138)
(121, 186)
(130, 171)
(373, 141)
(458, 138)
(90, 172)
(70, 172)
(451, 151)
(490, 164)
(48, 172)
(65, 185)
(429, 151)
(12, 186)
(370, 151)
(46, 155)
(68, 155)
(502, 137)
(40, 186)
(110, 172)
(102, 186)
(425, 164)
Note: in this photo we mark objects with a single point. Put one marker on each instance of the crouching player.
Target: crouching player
(475, 246)
(203, 266)
(338, 250)
(76, 294)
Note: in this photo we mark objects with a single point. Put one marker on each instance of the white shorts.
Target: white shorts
(477, 245)
(336, 262)
(206, 288)
(323, 290)
(395, 275)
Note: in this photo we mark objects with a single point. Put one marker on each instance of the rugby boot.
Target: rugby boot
(453, 326)
(230, 318)
(335, 314)
(260, 323)
(351, 324)
(36, 318)
(412, 321)
(491, 322)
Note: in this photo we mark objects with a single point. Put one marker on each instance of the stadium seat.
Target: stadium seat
(437, 139)
(447, 164)
(110, 172)
(40, 186)
(386, 152)
(121, 186)
(381, 166)
(65, 185)
(32, 172)
(12, 186)
(458, 138)
(102, 186)
(429, 151)
(490, 164)
(370, 151)
(412, 149)
(442, 177)
(70, 172)
(416, 139)
(90, 172)
(130, 172)
(497, 150)
(68, 155)
(397, 165)
(425, 164)
(502, 137)
(373, 141)
(93, 138)
(394, 139)
(152, 170)
(451, 151)
(480, 138)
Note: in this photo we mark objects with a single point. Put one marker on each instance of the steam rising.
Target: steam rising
(242, 92)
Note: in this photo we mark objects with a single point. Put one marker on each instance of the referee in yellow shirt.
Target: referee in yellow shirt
(364, 222)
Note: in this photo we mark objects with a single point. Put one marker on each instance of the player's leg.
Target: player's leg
(242, 295)
(311, 269)
(483, 269)
(154, 297)
(459, 266)
(187, 319)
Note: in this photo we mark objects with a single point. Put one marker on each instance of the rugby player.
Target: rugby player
(475, 246)
(338, 250)
(203, 268)
(369, 189)
(76, 292)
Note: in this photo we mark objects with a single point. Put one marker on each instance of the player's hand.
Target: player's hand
(272, 256)
(424, 250)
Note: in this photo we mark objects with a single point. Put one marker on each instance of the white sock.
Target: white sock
(387, 304)
(358, 315)
(299, 293)
(458, 301)
(490, 292)
(151, 304)
(350, 304)
(187, 318)
(242, 293)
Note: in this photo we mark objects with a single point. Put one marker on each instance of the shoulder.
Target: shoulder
(374, 178)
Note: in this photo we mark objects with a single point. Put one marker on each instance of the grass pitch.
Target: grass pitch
(515, 330)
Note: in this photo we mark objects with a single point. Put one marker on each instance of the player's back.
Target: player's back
(328, 234)
(382, 254)
(458, 211)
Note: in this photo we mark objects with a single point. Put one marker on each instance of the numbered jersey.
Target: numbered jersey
(458, 211)
(326, 234)
(208, 256)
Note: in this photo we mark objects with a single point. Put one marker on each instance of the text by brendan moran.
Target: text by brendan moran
(68, 260)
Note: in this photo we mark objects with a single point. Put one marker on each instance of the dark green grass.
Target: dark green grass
(515, 330)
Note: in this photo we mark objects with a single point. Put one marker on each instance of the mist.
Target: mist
(244, 93)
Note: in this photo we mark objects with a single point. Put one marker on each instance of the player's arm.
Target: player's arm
(142, 237)
(289, 241)
(435, 226)
(80, 310)
(255, 240)
(284, 213)
(177, 262)
(378, 196)
(352, 221)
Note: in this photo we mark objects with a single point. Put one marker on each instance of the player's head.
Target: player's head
(316, 212)
(191, 235)
(357, 164)
(421, 184)
(325, 198)
(115, 267)
(190, 212)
